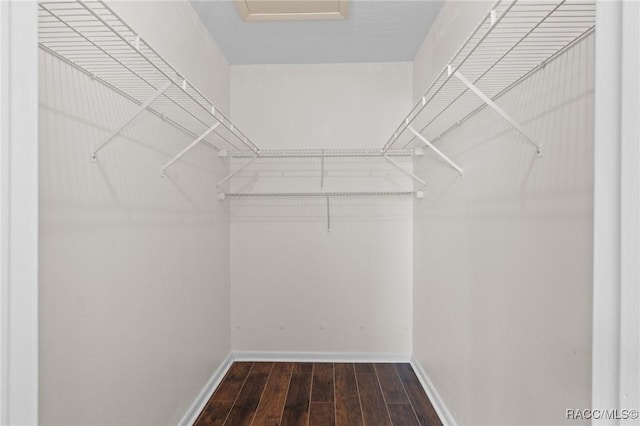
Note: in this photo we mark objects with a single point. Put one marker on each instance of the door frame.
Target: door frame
(18, 212)
(616, 269)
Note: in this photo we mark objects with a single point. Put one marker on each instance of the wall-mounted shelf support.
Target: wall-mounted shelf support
(141, 108)
(328, 217)
(405, 171)
(326, 195)
(322, 172)
(487, 100)
(321, 153)
(92, 38)
(435, 149)
(511, 43)
(233, 173)
(188, 148)
(223, 195)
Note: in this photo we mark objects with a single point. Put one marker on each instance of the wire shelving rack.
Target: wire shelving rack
(89, 36)
(514, 40)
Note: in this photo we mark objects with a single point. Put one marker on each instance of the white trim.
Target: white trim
(445, 415)
(616, 287)
(205, 394)
(630, 211)
(4, 211)
(319, 356)
(606, 258)
(606, 208)
(19, 212)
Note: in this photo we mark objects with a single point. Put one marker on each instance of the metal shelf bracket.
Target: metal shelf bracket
(405, 171)
(233, 173)
(141, 108)
(502, 113)
(322, 171)
(328, 217)
(436, 150)
(188, 148)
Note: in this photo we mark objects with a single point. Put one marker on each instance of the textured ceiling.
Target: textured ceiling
(376, 31)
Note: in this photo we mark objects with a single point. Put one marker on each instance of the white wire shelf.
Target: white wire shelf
(91, 37)
(325, 194)
(320, 153)
(514, 40)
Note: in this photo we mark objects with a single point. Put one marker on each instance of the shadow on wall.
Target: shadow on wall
(506, 254)
(133, 268)
(76, 114)
(486, 146)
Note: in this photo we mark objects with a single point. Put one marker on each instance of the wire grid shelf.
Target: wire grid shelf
(318, 194)
(321, 153)
(514, 40)
(91, 37)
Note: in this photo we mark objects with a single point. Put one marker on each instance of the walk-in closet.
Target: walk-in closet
(319, 212)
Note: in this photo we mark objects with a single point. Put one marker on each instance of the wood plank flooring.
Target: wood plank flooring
(319, 394)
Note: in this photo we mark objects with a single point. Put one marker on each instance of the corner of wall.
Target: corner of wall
(191, 415)
(438, 403)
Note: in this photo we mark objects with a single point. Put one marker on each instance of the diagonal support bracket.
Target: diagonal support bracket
(487, 100)
(233, 173)
(328, 217)
(188, 148)
(434, 149)
(405, 171)
(322, 171)
(143, 106)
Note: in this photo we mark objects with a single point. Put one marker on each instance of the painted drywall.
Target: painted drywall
(134, 268)
(503, 255)
(296, 287)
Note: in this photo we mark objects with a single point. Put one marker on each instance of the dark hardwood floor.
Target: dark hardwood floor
(319, 394)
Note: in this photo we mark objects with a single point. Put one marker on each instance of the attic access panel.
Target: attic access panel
(292, 10)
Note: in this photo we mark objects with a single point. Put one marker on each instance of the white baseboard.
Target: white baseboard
(438, 404)
(319, 356)
(203, 397)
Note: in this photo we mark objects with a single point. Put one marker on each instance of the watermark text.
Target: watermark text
(601, 414)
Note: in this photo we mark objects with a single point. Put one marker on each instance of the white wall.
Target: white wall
(503, 256)
(295, 287)
(134, 289)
